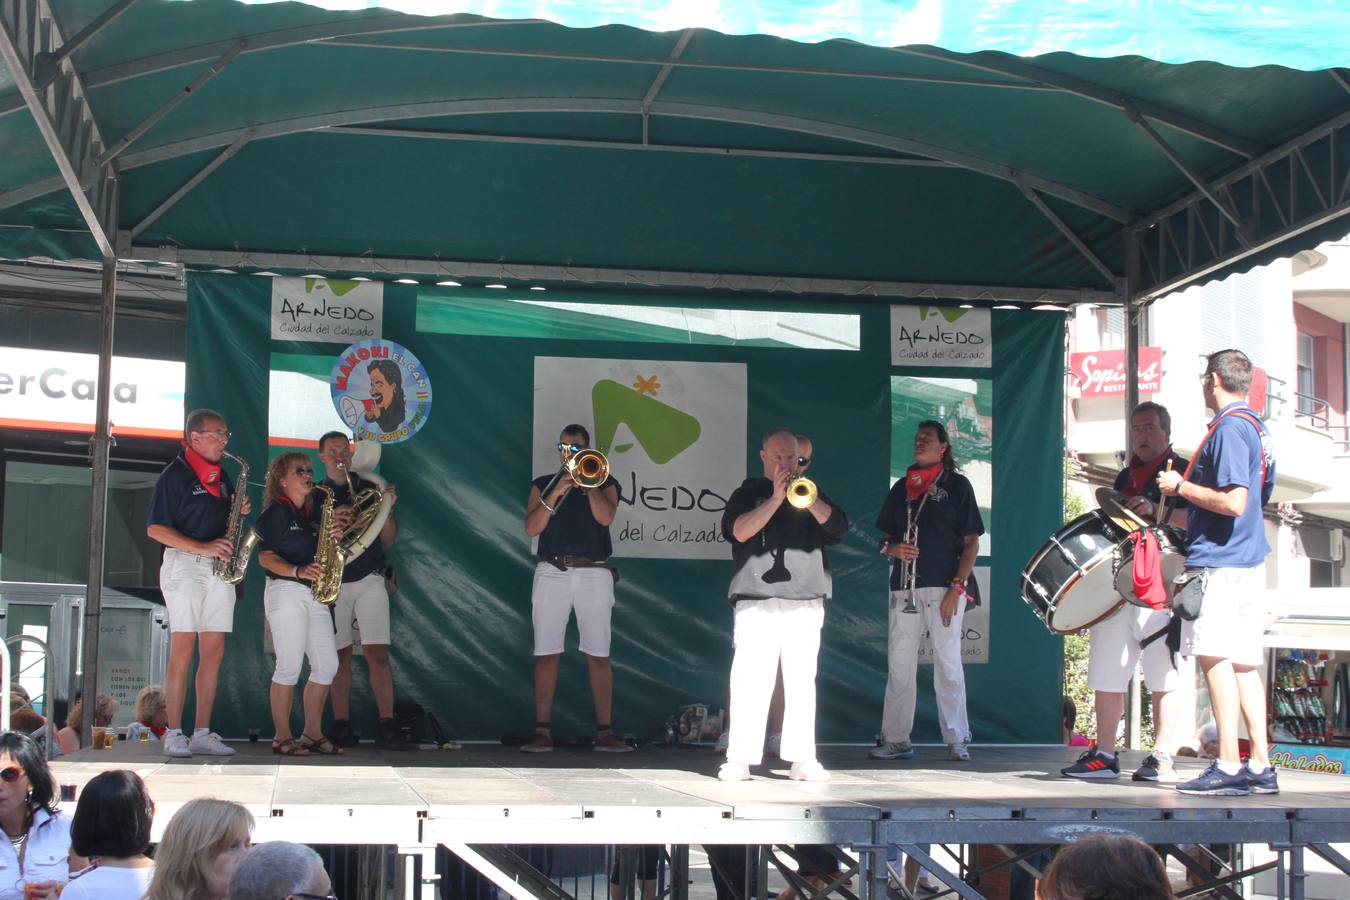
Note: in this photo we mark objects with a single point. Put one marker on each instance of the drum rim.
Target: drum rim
(1106, 615)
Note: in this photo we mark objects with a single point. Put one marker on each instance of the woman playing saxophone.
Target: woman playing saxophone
(289, 530)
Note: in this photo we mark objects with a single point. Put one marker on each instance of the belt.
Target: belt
(563, 563)
(191, 555)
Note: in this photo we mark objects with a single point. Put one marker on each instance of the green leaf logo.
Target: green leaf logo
(663, 431)
(950, 313)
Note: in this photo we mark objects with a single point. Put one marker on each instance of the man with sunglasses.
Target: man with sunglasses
(362, 607)
(189, 512)
(573, 574)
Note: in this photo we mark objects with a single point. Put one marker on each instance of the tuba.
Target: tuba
(231, 571)
(370, 510)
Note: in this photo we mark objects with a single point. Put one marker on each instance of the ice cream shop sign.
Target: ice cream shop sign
(1101, 373)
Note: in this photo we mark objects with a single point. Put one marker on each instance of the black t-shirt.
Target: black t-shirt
(181, 502)
(949, 515)
(288, 533)
(572, 530)
(373, 559)
(1151, 491)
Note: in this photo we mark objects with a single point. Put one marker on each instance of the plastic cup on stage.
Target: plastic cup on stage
(96, 742)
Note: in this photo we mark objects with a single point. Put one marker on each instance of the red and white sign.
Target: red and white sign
(1101, 373)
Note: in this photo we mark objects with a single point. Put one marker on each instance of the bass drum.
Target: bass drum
(1171, 543)
(1069, 582)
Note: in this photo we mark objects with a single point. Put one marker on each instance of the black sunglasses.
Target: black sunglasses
(303, 470)
(803, 460)
(11, 774)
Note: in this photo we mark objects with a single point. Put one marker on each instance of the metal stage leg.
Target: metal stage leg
(959, 887)
(1217, 885)
(872, 871)
(1297, 874)
(508, 871)
(429, 880)
(679, 872)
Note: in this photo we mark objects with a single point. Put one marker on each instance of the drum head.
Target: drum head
(1068, 583)
(1086, 601)
(1113, 504)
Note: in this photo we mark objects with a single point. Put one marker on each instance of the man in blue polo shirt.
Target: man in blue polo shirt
(189, 511)
(1229, 480)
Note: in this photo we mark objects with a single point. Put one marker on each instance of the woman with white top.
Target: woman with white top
(111, 828)
(38, 847)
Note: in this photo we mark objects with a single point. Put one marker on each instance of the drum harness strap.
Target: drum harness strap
(1172, 630)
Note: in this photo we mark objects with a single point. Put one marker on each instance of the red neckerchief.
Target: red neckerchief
(157, 730)
(918, 479)
(1142, 473)
(301, 512)
(208, 473)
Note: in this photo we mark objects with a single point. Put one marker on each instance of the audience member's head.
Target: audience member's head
(1106, 867)
(279, 870)
(16, 688)
(32, 784)
(112, 819)
(151, 706)
(201, 848)
(104, 709)
(1209, 740)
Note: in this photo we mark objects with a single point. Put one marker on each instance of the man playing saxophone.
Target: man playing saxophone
(189, 514)
(363, 605)
(290, 529)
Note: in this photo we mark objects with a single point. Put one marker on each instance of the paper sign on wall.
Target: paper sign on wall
(941, 336)
(326, 310)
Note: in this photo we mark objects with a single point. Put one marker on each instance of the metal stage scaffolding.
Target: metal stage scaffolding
(486, 803)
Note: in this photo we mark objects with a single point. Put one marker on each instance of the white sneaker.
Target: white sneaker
(960, 751)
(723, 741)
(774, 744)
(176, 745)
(733, 771)
(209, 744)
(809, 770)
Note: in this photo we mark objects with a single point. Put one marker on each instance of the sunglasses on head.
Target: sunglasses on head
(10, 774)
(570, 448)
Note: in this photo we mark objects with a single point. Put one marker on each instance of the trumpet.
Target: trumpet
(801, 492)
(908, 568)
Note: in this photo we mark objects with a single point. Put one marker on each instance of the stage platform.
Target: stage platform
(489, 795)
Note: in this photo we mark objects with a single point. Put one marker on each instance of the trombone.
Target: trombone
(587, 468)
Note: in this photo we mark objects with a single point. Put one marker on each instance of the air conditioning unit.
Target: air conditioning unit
(1337, 545)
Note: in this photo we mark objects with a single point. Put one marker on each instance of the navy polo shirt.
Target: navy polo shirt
(181, 502)
(1232, 457)
(949, 516)
(1151, 490)
(289, 534)
(373, 559)
(573, 531)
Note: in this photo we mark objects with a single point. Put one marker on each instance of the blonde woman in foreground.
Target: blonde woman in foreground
(201, 848)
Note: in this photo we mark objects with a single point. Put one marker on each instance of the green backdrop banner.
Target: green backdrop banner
(461, 622)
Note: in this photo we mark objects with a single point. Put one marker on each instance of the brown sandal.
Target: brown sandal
(289, 747)
(320, 745)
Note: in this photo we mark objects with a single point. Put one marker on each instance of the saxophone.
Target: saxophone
(329, 554)
(231, 571)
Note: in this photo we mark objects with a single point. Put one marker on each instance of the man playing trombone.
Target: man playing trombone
(570, 512)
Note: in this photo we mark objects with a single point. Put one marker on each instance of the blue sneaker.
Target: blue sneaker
(1214, 782)
(1264, 783)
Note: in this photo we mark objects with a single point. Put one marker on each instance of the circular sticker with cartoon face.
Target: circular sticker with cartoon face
(381, 391)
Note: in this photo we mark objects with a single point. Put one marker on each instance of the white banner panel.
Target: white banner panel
(974, 627)
(674, 433)
(326, 310)
(941, 336)
(52, 389)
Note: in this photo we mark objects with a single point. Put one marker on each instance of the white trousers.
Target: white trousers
(301, 627)
(904, 632)
(767, 631)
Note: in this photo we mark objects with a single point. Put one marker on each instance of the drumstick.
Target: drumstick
(1161, 511)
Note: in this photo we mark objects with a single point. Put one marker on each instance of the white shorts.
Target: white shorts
(1115, 651)
(1233, 617)
(588, 591)
(196, 599)
(301, 627)
(363, 608)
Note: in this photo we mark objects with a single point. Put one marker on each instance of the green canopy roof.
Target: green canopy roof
(284, 135)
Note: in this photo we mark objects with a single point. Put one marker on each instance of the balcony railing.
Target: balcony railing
(1312, 411)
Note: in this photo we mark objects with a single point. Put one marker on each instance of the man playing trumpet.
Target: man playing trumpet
(778, 592)
(573, 574)
(931, 528)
